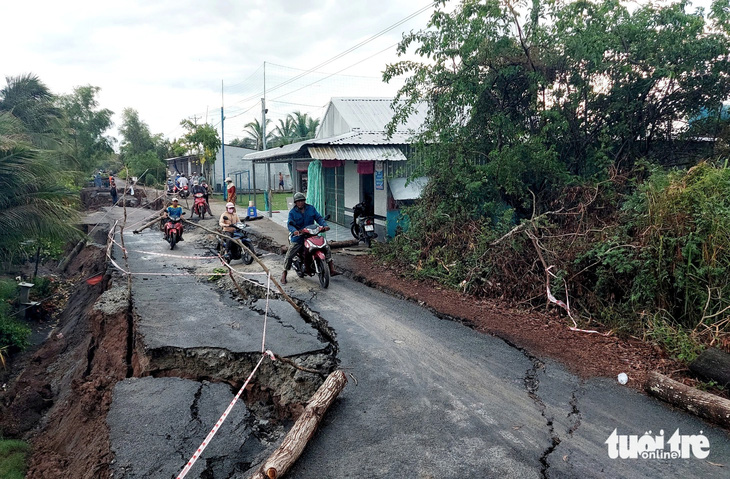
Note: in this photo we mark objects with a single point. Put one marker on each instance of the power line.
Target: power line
(335, 73)
(353, 48)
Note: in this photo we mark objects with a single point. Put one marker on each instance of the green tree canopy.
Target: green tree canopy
(254, 131)
(30, 101)
(523, 102)
(34, 205)
(87, 124)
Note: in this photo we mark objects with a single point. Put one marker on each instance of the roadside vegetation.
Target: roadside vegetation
(12, 458)
(581, 147)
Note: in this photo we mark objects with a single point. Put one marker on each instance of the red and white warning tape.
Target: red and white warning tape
(212, 432)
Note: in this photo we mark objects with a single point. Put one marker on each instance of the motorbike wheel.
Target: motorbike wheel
(355, 230)
(173, 240)
(201, 213)
(246, 257)
(324, 273)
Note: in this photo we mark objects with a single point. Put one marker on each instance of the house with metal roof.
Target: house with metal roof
(352, 158)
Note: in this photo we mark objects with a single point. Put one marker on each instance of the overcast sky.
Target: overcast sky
(167, 58)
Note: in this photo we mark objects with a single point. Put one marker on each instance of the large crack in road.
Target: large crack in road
(192, 345)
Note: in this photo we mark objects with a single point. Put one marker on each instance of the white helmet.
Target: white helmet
(230, 205)
(228, 179)
(175, 199)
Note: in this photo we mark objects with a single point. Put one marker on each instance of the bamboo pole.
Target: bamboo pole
(293, 445)
(263, 266)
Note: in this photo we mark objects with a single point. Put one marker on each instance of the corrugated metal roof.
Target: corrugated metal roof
(361, 152)
(372, 114)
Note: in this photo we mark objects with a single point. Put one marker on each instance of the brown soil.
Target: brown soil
(60, 399)
(542, 334)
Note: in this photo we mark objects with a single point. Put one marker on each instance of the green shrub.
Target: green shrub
(13, 333)
(13, 454)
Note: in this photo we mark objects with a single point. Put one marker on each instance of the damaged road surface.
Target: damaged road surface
(427, 398)
(193, 346)
(431, 398)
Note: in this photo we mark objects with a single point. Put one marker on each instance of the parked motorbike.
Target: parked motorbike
(200, 206)
(173, 230)
(311, 258)
(362, 227)
(231, 250)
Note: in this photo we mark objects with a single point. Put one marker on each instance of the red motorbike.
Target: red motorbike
(311, 258)
(200, 206)
(173, 230)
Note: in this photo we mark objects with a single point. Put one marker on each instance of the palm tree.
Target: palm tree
(33, 203)
(29, 100)
(305, 127)
(285, 132)
(254, 131)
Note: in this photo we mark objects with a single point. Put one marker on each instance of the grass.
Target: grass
(278, 200)
(13, 454)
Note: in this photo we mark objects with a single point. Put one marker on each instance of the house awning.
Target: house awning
(360, 153)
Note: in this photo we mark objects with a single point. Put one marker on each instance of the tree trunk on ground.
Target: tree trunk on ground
(713, 364)
(705, 405)
(291, 448)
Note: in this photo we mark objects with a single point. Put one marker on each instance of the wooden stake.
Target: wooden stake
(293, 445)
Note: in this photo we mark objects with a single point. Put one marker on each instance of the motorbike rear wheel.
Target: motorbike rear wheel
(355, 230)
(246, 257)
(324, 273)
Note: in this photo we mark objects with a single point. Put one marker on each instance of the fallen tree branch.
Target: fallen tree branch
(263, 266)
(291, 448)
(702, 404)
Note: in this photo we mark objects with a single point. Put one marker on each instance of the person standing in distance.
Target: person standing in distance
(300, 216)
(230, 190)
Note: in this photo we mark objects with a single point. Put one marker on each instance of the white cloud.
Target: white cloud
(166, 58)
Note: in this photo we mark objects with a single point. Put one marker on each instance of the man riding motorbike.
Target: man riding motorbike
(174, 210)
(228, 218)
(300, 216)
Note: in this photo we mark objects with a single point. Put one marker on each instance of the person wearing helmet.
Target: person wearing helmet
(197, 188)
(231, 191)
(174, 211)
(228, 218)
(300, 216)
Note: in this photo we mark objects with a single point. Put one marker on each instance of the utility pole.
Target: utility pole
(263, 143)
(223, 149)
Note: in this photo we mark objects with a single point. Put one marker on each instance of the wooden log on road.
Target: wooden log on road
(702, 404)
(150, 223)
(291, 448)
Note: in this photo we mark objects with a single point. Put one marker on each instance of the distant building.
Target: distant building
(357, 159)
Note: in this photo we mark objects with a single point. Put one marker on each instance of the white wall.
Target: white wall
(235, 164)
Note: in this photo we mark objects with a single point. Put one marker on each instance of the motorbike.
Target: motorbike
(362, 227)
(311, 258)
(231, 250)
(173, 230)
(184, 191)
(200, 206)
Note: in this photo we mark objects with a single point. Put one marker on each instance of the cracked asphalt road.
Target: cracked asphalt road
(431, 398)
